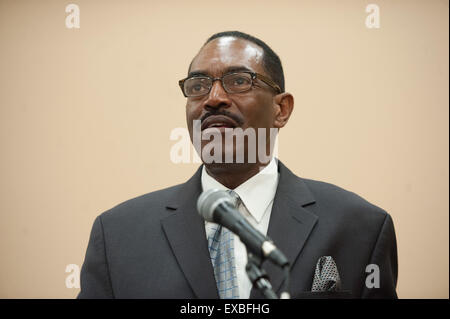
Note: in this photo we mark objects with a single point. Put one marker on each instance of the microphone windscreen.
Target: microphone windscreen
(208, 201)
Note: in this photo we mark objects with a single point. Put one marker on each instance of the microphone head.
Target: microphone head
(208, 201)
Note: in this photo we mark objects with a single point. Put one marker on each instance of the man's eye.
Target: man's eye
(197, 87)
(240, 81)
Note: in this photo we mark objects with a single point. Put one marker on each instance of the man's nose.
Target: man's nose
(217, 97)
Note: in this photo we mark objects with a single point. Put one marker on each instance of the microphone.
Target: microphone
(217, 206)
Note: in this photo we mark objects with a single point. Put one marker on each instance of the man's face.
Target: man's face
(250, 109)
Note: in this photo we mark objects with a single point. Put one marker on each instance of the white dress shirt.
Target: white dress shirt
(257, 194)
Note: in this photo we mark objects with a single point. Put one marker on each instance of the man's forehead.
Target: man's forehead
(222, 53)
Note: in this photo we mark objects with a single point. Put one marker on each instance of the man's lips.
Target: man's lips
(218, 121)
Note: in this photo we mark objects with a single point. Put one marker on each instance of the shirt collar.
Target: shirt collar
(256, 193)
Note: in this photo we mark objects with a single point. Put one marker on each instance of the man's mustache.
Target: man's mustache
(236, 118)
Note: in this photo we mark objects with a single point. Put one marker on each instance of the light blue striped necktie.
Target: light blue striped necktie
(221, 249)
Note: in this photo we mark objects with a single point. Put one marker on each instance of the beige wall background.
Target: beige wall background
(86, 115)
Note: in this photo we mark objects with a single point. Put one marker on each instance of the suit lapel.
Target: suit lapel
(185, 231)
(290, 223)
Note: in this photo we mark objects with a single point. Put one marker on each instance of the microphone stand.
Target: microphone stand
(258, 276)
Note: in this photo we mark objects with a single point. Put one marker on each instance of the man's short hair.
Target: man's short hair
(271, 61)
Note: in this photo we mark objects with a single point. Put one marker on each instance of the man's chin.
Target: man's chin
(228, 168)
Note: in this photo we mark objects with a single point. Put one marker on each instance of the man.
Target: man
(157, 245)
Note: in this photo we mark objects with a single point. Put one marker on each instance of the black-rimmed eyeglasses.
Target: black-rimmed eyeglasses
(238, 82)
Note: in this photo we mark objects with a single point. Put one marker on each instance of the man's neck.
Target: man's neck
(233, 175)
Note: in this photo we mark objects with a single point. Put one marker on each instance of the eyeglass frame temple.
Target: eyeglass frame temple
(268, 81)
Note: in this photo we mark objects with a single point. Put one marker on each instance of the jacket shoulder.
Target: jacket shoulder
(149, 204)
(342, 202)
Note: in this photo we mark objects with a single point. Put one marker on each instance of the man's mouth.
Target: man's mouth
(218, 121)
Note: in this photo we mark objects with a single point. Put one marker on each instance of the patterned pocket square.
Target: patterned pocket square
(326, 277)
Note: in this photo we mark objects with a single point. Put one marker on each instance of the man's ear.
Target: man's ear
(284, 104)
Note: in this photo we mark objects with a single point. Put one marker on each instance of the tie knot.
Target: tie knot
(236, 200)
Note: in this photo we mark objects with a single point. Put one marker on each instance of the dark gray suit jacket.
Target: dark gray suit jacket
(154, 246)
